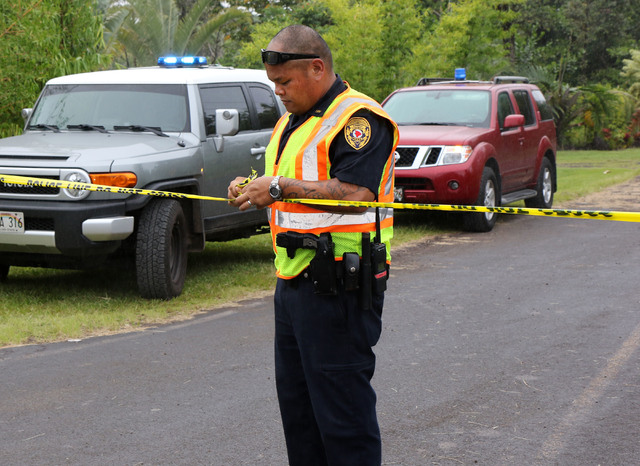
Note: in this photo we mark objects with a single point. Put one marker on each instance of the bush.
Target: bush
(41, 41)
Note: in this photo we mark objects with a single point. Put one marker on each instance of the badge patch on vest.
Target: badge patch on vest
(357, 132)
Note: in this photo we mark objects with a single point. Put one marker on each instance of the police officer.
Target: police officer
(334, 143)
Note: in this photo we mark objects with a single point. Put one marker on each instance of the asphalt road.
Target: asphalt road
(519, 346)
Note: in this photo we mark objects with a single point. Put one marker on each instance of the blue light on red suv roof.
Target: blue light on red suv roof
(171, 61)
(461, 74)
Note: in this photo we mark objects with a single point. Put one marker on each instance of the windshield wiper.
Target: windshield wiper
(85, 127)
(53, 128)
(154, 129)
(433, 123)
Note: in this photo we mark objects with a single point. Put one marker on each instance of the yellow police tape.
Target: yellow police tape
(583, 214)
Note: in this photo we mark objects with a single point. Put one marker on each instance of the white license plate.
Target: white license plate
(11, 222)
(398, 194)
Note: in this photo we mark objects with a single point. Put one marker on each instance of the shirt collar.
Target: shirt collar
(337, 88)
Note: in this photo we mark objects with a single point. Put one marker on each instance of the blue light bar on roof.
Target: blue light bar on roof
(177, 62)
(461, 74)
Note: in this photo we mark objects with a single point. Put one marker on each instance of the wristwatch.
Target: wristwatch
(275, 190)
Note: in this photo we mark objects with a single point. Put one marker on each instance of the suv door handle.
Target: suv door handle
(258, 150)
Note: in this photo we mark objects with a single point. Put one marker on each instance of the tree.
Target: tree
(401, 30)
(471, 34)
(631, 71)
(155, 28)
(590, 39)
(600, 32)
(355, 39)
(371, 40)
(42, 39)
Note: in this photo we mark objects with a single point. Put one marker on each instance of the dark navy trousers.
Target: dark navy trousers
(324, 364)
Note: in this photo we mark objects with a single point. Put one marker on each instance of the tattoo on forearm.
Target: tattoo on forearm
(330, 189)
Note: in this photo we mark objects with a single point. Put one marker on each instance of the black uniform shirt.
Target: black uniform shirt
(361, 166)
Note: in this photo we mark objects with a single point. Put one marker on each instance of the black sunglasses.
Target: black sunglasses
(275, 58)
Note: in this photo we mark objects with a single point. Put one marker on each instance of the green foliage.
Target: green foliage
(631, 71)
(599, 119)
(471, 34)
(355, 40)
(42, 39)
(401, 29)
(154, 28)
(588, 40)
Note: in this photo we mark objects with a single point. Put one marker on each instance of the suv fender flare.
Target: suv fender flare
(484, 156)
(547, 149)
(191, 208)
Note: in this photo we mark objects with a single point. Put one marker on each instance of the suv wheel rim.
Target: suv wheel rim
(546, 186)
(489, 198)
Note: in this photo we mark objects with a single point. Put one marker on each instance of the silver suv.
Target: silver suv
(179, 128)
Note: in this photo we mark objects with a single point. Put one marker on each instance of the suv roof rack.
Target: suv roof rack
(425, 81)
(510, 79)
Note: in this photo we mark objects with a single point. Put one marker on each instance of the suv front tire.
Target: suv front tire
(161, 250)
(489, 196)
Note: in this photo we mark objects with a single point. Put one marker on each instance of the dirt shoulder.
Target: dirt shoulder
(623, 197)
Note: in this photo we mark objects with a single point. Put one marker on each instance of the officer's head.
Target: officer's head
(299, 62)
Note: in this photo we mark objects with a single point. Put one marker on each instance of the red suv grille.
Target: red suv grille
(408, 156)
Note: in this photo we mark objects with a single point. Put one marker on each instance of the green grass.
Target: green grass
(584, 172)
(43, 305)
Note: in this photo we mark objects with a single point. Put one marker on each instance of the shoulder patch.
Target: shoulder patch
(357, 132)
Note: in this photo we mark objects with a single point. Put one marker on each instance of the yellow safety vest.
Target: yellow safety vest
(306, 157)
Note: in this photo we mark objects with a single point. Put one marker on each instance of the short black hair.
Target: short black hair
(299, 38)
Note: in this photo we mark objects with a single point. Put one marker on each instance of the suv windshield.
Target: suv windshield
(84, 106)
(459, 107)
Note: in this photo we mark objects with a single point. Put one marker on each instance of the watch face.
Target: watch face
(275, 191)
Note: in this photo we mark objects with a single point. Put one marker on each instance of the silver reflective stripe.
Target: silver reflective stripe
(310, 221)
(389, 176)
(310, 157)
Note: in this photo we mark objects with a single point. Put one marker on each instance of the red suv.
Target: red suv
(474, 143)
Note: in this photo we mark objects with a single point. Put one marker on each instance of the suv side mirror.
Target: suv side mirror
(26, 113)
(513, 121)
(227, 124)
(227, 121)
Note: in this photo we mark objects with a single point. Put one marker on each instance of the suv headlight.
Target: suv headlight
(77, 177)
(455, 154)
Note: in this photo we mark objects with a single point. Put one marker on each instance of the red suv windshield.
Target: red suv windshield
(441, 107)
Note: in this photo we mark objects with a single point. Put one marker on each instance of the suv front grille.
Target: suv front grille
(12, 188)
(408, 156)
(432, 155)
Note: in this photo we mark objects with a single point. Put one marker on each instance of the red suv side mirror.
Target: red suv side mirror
(512, 121)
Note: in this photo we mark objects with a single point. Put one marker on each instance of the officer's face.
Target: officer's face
(295, 84)
(298, 83)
